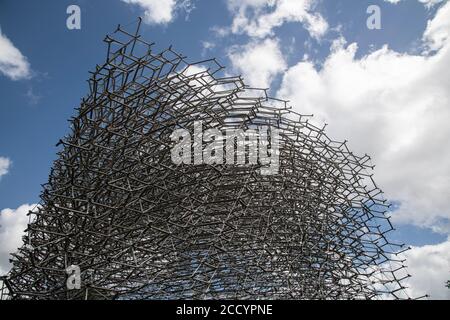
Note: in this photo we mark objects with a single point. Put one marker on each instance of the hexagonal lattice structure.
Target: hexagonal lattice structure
(141, 227)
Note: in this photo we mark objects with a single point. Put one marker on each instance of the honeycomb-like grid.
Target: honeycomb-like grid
(141, 227)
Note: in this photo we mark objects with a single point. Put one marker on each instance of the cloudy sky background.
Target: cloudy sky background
(385, 91)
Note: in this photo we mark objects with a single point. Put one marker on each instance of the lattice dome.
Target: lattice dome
(140, 226)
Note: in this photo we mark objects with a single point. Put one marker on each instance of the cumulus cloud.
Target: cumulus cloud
(160, 11)
(13, 63)
(394, 107)
(430, 270)
(5, 163)
(258, 62)
(437, 34)
(13, 222)
(258, 18)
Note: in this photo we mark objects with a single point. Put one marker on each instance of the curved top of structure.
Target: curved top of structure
(140, 226)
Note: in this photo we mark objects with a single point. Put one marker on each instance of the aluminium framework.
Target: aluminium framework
(140, 227)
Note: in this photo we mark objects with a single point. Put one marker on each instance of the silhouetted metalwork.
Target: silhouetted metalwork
(141, 227)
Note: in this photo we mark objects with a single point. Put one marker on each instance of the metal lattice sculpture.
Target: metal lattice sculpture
(140, 227)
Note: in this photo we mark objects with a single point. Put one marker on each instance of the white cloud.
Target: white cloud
(394, 107)
(429, 267)
(427, 3)
(156, 11)
(438, 30)
(5, 163)
(13, 63)
(12, 226)
(258, 62)
(258, 18)
(161, 11)
(430, 3)
(207, 46)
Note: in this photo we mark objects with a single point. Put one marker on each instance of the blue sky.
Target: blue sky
(60, 60)
(34, 109)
